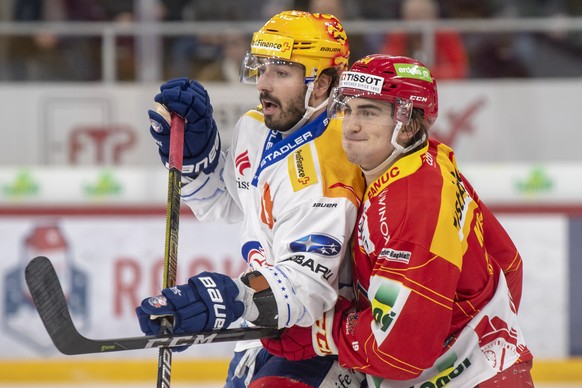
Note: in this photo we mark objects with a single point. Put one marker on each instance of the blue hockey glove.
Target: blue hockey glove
(206, 302)
(189, 100)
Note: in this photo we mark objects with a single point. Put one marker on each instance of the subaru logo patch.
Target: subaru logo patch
(317, 243)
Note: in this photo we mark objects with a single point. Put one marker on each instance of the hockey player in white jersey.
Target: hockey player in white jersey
(287, 180)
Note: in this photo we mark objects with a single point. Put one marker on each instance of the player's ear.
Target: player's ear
(321, 86)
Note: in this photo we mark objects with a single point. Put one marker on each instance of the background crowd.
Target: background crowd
(41, 54)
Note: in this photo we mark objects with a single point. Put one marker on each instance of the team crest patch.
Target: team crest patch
(254, 253)
(158, 301)
(317, 243)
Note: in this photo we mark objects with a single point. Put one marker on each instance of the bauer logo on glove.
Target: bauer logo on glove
(207, 302)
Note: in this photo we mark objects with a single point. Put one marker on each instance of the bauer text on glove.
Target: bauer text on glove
(206, 302)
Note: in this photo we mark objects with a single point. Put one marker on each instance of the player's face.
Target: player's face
(282, 94)
(367, 130)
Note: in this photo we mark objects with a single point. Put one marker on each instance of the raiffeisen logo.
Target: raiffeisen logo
(259, 43)
(269, 44)
(413, 71)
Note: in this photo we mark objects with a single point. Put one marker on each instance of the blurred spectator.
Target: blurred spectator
(5, 16)
(495, 57)
(33, 57)
(122, 12)
(378, 9)
(490, 55)
(555, 53)
(50, 57)
(234, 46)
(525, 53)
(449, 60)
(187, 55)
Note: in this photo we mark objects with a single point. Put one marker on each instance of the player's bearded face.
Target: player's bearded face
(282, 95)
(289, 112)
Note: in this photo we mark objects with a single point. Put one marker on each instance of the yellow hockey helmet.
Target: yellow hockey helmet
(315, 40)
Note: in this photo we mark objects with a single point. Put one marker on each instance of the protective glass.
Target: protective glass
(252, 67)
(339, 99)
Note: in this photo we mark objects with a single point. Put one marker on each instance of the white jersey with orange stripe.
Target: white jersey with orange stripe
(297, 198)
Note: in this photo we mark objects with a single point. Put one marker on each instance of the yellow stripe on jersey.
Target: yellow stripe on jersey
(455, 213)
(340, 178)
(302, 168)
(401, 169)
(255, 114)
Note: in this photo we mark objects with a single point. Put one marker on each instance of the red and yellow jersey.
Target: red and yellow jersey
(437, 278)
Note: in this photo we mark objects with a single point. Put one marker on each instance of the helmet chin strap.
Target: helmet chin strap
(309, 110)
(373, 174)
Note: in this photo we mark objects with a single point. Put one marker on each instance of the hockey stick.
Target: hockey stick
(48, 296)
(171, 245)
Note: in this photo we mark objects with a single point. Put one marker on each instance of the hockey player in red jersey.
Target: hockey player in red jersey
(438, 279)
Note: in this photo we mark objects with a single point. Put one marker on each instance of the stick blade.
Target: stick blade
(50, 302)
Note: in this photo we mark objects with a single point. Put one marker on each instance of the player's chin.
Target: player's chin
(276, 123)
(353, 151)
(353, 145)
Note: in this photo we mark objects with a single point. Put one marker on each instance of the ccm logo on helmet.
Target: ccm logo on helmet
(418, 98)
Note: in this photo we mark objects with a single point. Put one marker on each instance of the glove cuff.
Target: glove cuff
(322, 334)
(245, 295)
(206, 161)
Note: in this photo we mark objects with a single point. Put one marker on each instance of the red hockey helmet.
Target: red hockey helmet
(390, 78)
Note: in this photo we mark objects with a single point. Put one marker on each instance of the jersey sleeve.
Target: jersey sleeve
(214, 197)
(501, 249)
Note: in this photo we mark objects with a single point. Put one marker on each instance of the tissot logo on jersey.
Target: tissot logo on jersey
(317, 243)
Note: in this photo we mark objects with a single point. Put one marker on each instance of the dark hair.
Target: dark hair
(417, 117)
(334, 74)
(423, 127)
